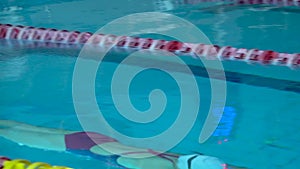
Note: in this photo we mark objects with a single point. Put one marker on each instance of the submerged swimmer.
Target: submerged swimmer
(106, 148)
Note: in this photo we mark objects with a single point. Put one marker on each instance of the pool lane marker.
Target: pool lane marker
(285, 3)
(265, 57)
(6, 163)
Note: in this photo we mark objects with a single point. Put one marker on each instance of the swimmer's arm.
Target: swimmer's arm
(32, 136)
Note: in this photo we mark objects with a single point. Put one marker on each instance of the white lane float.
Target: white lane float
(47, 35)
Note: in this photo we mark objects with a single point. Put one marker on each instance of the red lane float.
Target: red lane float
(267, 57)
(250, 2)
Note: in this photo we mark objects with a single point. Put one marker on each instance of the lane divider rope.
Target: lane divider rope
(6, 163)
(284, 3)
(266, 57)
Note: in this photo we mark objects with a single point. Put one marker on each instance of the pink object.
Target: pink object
(2, 160)
(250, 2)
(85, 140)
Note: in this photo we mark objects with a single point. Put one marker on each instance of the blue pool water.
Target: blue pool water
(260, 126)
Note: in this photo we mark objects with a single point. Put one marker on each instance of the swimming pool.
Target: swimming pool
(261, 104)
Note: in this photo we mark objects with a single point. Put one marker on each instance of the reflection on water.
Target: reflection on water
(12, 64)
(12, 15)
